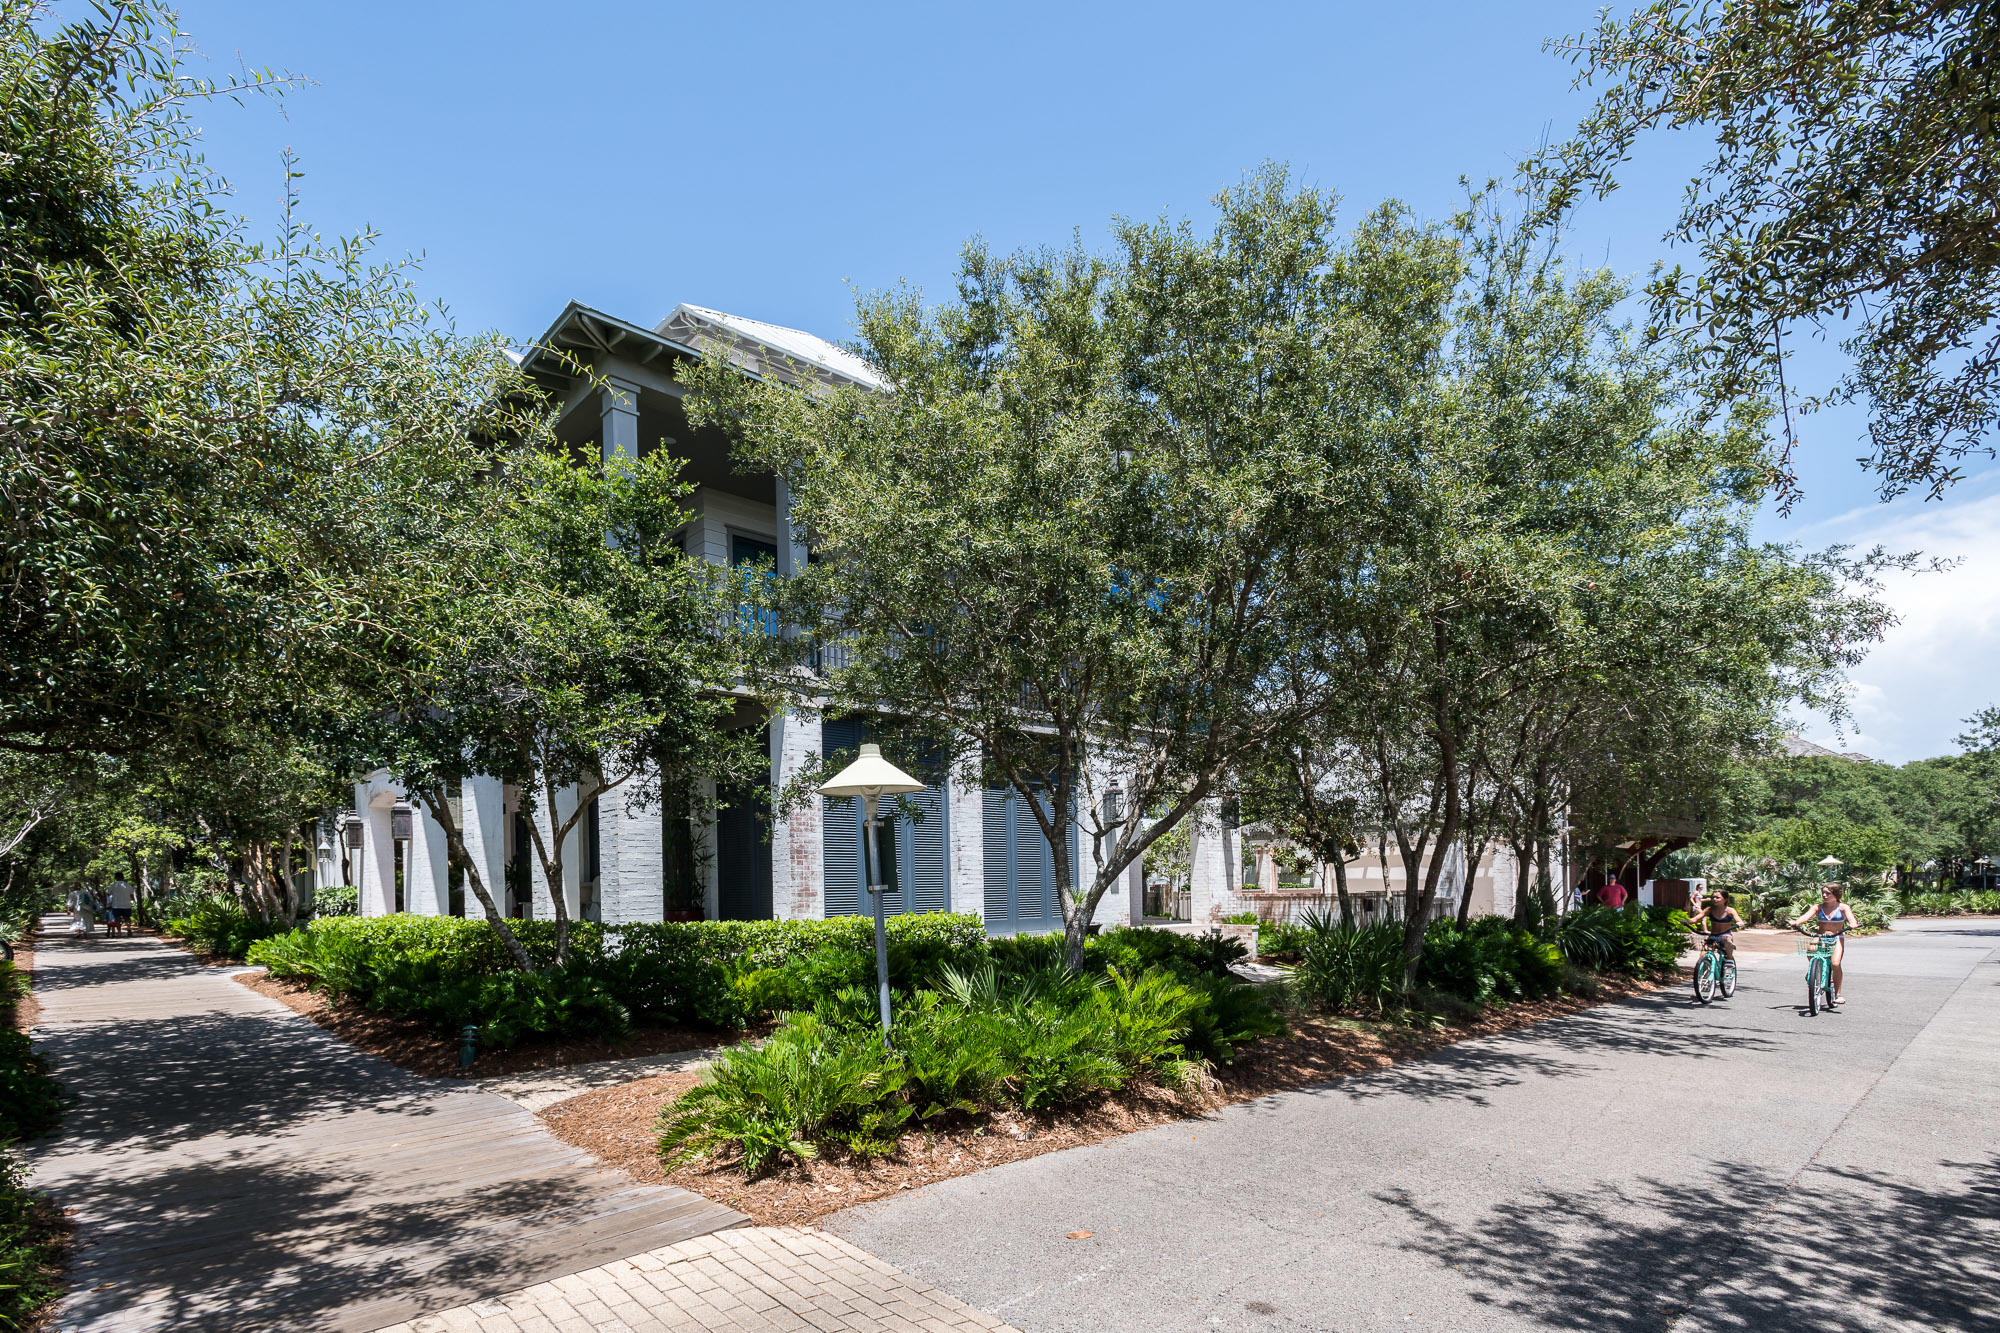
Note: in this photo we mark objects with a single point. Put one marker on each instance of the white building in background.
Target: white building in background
(976, 849)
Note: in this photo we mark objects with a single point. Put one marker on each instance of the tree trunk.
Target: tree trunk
(1340, 892)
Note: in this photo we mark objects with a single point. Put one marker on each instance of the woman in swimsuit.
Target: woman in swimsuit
(1834, 918)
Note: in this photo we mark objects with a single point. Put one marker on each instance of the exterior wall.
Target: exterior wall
(798, 849)
(717, 514)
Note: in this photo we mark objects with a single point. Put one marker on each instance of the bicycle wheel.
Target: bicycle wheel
(1813, 986)
(1728, 977)
(1704, 978)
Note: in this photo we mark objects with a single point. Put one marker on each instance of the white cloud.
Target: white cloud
(1937, 665)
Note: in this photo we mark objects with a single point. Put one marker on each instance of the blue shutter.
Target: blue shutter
(996, 811)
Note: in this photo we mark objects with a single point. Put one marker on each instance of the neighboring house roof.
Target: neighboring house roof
(1798, 747)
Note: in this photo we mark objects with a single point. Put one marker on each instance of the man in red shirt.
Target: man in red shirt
(1612, 894)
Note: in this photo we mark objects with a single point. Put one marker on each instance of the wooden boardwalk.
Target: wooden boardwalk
(232, 1166)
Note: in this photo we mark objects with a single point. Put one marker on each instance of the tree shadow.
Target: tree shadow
(66, 966)
(264, 1246)
(193, 1075)
(1567, 1047)
(1838, 1249)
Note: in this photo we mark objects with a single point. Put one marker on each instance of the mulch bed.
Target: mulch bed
(26, 1010)
(419, 1050)
(616, 1124)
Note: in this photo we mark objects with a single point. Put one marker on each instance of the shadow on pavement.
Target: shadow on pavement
(215, 1073)
(1649, 1025)
(1840, 1249)
(310, 1243)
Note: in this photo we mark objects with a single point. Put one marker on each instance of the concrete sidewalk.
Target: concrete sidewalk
(1645, 1165)
(233, 1166)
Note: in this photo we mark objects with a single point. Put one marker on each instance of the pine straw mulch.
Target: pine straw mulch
(404, 1042)
(26, 1009)
(617, 1124)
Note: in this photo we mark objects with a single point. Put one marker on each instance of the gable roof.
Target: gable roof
(763, 348)
(758, 347)
(1798, 747)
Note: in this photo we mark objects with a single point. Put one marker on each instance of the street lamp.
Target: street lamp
(868, 777)
(1831, 865)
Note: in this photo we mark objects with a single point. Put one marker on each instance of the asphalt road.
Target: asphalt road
(1649, 1165)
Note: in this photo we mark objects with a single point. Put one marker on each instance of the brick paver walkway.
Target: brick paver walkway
(232, 1166)
(775, 1278)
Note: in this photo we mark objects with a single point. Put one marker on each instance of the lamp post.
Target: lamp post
(1831, 865)
(870, 776)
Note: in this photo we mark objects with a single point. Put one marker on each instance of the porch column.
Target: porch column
(618, 417)
(631, 859)
(965, 801)
(1215, 870)
(427, 869)
(482, 821)
(544, 906)
(798, 850)
(378, 854)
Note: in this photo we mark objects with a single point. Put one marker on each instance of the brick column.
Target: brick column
(483, 823)
(965, 804)
(631, 858)
(1215, 869)
(798, 850)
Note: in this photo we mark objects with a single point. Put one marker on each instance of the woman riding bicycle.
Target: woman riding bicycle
(1718, 920)
(1834, 919)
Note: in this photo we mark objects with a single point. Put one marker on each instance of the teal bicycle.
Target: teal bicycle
(1818, 950)
(1714, 972)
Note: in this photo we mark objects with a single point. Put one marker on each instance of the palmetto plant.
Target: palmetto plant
(807, 1083)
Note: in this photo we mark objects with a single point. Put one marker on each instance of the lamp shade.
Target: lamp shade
(871, 775)
(1832, 861)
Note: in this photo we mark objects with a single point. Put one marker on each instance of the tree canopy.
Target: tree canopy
(1852, 193)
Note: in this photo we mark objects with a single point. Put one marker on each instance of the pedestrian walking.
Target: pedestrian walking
(82, 912)
(119, 899)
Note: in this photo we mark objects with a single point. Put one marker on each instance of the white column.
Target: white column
(1215, 865)
(427, 867)
(378, 855)
(483, 824)
(965, 803)
(631, 859)
(544, 907)
(798, 849)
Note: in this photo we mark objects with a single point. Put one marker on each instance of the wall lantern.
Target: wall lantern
(353, 832)
(400, 821)
(868, 777)
(1114, 805)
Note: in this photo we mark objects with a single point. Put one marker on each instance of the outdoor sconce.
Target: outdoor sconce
(1114, 805)
(354, 832)
(870, 776)
(400, 821)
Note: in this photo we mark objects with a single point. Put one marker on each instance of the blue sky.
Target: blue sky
(769, 159)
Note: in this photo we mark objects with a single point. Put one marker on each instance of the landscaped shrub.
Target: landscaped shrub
(217, 924)
(1488, 959)
(337, 900)
(812, 1082)
(31, 1102)
(29, 1246)
(1351, 967)
(1952, 902)
(717, 974)
(1230, 1014)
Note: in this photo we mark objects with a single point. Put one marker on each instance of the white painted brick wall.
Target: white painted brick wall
(798, 851)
